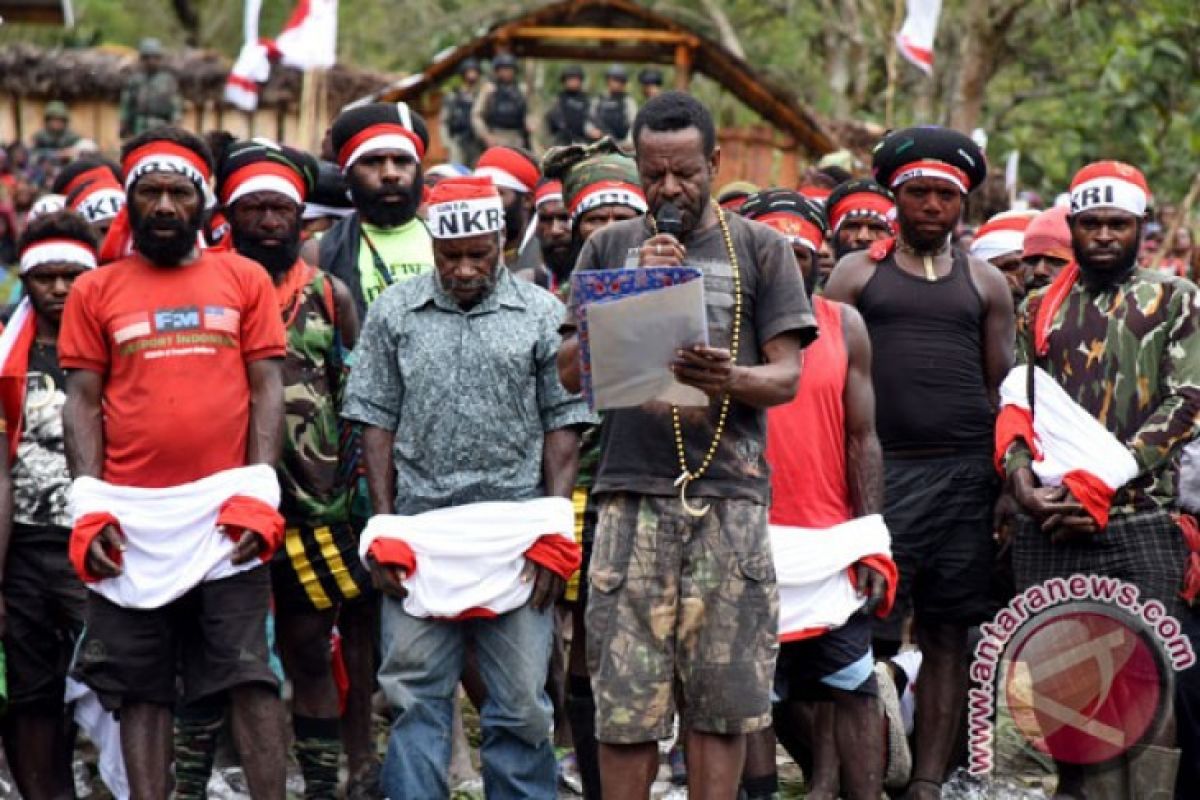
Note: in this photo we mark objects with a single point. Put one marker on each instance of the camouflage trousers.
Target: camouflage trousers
(682, 614)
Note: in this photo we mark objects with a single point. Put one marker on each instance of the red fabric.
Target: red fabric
(341, 678)
(117, 241)
(260, 168)
(86, 529)
(1055, 296)
(550, 190)
(793, 225)
(1117, 170)
(1014, 424)
(12, 384)
(818, 194)
(394, 553)
(161, 147)
(557, 553)
(240, 513)
(932, 165)
(882, 248)
(379, 129)
(1092, 493)
(516, 164)
(467, 187)
(172, 345)
(1049, 235)
(860, 202)
(1014, 223)
(1191, 536)
(886, 567)
(100, 177)
(806, 438)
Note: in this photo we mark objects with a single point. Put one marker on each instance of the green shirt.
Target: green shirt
(406, 251)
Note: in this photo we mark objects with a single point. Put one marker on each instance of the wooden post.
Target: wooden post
(307, 109)
(683, 67)
(889, 112)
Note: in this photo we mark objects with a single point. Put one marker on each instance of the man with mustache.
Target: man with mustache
(1117, 346)
(173, 419)
(456, 383)
(860, 212)
(941, 330)
(1047, 248)
(379, 148)
(515, 174)
(552, 230)
(1000, 242)
(263, 188)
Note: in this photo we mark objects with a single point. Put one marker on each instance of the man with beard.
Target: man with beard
(515, 174)
(860, 212)
(41, 616)
(552, 231)
(1114, 349)
(1000, 242)
(379, 148)
(263, 187)
(1047, 249)
(683, 493)
(455, 381)
(173, 419)
(941, 329)
(826, 479)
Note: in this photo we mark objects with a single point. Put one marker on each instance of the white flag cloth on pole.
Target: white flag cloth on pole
(915, 39)
(309, 39)
(253, 65)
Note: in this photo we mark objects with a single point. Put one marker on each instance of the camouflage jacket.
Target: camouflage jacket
(1129, 355)
(149, 101)
(315, 490)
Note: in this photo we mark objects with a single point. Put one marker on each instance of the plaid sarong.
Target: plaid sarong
(1146, 549)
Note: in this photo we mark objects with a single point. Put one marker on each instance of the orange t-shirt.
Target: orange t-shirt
(172, 344)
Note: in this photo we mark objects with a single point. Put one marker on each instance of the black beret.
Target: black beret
(932, 143)
(241, 154)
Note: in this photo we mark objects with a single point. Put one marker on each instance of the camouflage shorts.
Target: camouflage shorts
(680, 605)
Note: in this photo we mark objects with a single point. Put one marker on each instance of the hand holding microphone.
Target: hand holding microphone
(663, 249)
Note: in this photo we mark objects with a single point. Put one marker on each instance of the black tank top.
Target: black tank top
(927, 359)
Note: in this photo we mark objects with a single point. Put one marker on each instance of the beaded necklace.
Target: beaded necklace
(687, 475)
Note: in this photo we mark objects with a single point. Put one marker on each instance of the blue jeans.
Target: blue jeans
(422, 665)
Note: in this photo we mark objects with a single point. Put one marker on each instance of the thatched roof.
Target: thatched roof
(99, 73)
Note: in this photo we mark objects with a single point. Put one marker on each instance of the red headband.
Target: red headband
(390, 135)
(161, 155)
(263, 176)
(100, 177)
(548, 192)
(860, 203)
(795, 228)
(931, 168)
(608, 193)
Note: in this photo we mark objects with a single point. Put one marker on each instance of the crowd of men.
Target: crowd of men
(257, 404)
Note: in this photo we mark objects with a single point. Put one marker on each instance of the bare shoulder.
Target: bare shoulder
(310, 251)
(849, 276)
(989, 280)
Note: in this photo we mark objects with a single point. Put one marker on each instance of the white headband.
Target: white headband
(319, 210)
(101, 205)
(804, 242)
(503, 179)
(53, 251)
(997, 243)
(46, 204)
(385, 141)
(927, 170)
(1108, 193)
(608, 196)
(458, 219)
(165, 162)
(555, 197)
(265, 183)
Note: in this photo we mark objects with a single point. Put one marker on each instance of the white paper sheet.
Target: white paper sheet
(633, 342)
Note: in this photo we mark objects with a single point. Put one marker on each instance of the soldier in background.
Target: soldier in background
(150, 98)
(568, 117)
(613, 113)
(56, 136)
(499, 116)
(651, 81)
(457, 132)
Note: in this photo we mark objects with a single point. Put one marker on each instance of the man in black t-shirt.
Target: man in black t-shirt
(42, 611)
(682, 588)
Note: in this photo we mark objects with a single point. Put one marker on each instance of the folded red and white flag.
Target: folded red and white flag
(916, 35)
(814, 570)
(1070, 447)
(466, 561)
(176, 537)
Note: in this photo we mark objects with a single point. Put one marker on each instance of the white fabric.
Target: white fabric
(1068, 436)
(265, 183)
(390, 141)
(804, 242)
(165, 162)
(812, 571)
(916, 35)
(101, 205)
(1108, 193)
(910, 662)
(555, 197)
(171, 539)
(1189, 478)
(12, 332)
(309, 39)
(54, 251)
(927, 171)
(102, 728)
(608, 196)
(318, 210)
(504, 179)
(997, 243)
(458, 219)
(46, 204)
(253, 65)
(471, 557)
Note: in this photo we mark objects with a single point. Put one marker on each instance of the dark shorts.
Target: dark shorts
(1145, 549)
(212, 639)
(317, 569)
(680, 603)
(939, 512)
(838, 659)
(46, 602)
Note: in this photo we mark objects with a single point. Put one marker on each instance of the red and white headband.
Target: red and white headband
(102, 204)
(57, 251)
(796, 229)
(1000, 236)
(932, 168)
(161, 155)
(608, 193)
(381, 136)
(861, 204)
(551, 192)
(503, 179)
(458, 219)
(1109, 192)
(263, 176)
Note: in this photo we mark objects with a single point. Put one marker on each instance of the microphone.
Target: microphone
(669, 219)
